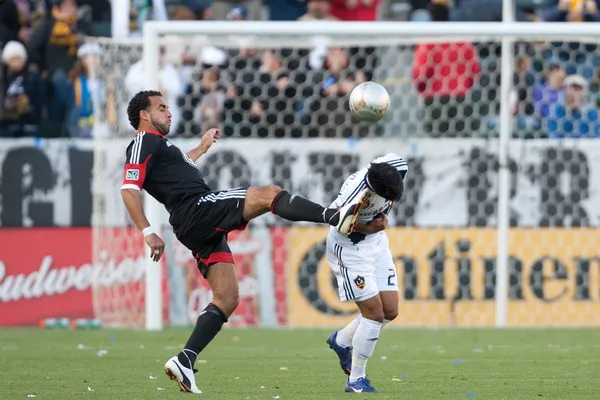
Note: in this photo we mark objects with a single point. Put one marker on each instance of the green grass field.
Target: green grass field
(297, 364)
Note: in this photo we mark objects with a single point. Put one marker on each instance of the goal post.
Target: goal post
(456, 264)
(506, 31)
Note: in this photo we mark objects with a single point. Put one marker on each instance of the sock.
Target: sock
(363, 344)
(296, 208)
(345, 335)
(209, 323)
(385, 322)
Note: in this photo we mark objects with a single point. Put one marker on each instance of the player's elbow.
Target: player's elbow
(127, 194)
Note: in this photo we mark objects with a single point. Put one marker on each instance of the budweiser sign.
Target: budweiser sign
(49, 273)
(49, 281)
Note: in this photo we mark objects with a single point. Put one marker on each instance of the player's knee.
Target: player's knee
(272, 191)
(390, 315)
(228, 302)
(374, 314)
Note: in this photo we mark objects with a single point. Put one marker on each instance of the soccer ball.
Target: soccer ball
(369, 102)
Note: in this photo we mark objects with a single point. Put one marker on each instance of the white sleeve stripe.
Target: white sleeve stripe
(355, 193)
(136, 143)
(137, 150)
(395, 162)
(130, 186)
(399, 165)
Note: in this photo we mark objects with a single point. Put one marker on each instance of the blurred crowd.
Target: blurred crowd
(52, 78)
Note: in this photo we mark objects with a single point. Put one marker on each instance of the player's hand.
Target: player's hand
(211, 136)
(377, 225)
(157, 246)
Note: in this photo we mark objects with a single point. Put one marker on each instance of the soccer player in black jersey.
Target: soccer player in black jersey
(202, 217)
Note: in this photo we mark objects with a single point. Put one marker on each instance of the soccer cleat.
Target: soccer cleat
(184, 376)
(343, 353)
(362, 385)
(349, 212)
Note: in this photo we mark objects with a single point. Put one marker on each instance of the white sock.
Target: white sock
(363, 344)
(345, 335)
(385, 322)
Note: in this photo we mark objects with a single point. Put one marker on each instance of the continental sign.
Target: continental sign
(447, 278)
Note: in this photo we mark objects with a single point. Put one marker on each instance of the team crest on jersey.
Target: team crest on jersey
(359, 282)
(132, 174)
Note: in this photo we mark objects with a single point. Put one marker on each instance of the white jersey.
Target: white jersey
(354, 185)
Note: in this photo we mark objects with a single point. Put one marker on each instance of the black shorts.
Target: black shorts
(216, 214)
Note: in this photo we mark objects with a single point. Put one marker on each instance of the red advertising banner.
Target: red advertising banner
(45, 272)
(48, 273)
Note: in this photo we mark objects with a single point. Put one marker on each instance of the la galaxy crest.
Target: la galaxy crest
(359, 281)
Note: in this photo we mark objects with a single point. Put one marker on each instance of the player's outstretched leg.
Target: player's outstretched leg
(260, 200)
(222, 278)
(363, 343)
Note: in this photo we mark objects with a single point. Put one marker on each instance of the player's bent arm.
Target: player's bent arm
(367, 229)
(133, 202)
(210, 137)
(196, 153)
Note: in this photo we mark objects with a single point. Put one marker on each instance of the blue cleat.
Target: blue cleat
(343, 353)
(362, 385)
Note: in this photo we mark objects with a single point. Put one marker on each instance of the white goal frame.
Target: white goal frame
(505, 32)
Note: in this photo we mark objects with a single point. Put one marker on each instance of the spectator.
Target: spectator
(485, 11)
(9, 22)
(355, 10)
(523, 81)
(169, 83)
(329, 107)
(572, 11)
(221, 8)
(201, 8)
(237, 13)
(202, 105)
(444, 74)
(286, 10)
(23, 100)
(54, 44)
(53, 50)
(31, 15)
(318, 10)
(550, 91)
(87, 89)
(572, 117)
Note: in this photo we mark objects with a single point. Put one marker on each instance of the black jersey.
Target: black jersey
(166, 173)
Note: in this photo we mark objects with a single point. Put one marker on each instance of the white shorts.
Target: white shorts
(362, 271)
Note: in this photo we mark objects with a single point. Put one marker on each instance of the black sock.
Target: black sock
(208, 325)
(296, 208)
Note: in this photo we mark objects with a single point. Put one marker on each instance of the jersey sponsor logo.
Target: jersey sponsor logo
(132, 175)
(359, 281)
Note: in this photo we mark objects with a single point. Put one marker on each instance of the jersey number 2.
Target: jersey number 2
(393, 275)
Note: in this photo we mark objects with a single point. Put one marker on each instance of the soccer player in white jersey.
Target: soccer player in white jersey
(363, 265)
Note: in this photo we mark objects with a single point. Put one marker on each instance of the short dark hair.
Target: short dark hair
(139, 102)
(386, 181)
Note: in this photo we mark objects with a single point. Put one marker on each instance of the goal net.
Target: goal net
(281, 102)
